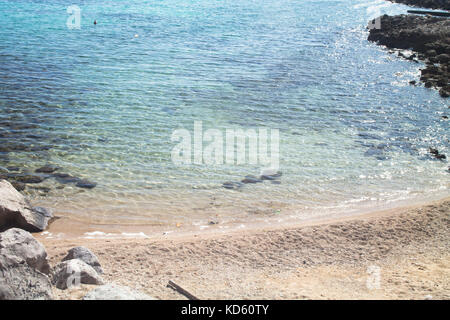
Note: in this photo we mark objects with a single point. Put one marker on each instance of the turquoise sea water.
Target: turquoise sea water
(102, 103)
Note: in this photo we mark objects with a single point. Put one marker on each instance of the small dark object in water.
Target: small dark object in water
(444, 117)
(264, 177)
(251, 179)
(65, 178)
(86, 184)
(412, 82)
(29, 179)
(47, 169)
(434, 151)
(437, 155)
(61, 175)
(19, 186)
(95, 21)
(13, 168)
(231, 185)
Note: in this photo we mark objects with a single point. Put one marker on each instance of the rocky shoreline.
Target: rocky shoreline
(431, 4)
(429, 39)
(25, 273)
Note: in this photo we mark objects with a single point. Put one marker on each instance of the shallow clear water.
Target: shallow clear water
(102, 103)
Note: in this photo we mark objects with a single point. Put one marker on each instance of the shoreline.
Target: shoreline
(326, 260)
(67, 227)
(428, 39)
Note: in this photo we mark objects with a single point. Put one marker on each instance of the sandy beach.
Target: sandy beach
(394, 254)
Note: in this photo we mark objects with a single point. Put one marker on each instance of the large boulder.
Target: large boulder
(21, 244)
(113, 291)
(85, 255)
(72, 273)
(19, 281)
(15, 211)
(23, 264)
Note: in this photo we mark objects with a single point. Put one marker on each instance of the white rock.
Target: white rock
(85, 255)
(23, 264)
(113, 291)
(15, 211)
(72, 273)
(20, 243)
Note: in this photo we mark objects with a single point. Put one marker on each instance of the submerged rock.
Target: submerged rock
(74, 272)
(19, 186)
(65, 178)
(113, 291)
(46, 169)
(270, 174)
(232, 185)
(15, 211)
(436, 154)
(28, 179)
(251, 179)
(86, 184)
(85, 255)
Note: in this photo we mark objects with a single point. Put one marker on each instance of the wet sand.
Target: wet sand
(400, 253)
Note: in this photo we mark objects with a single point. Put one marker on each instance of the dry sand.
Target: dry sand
(327, 260)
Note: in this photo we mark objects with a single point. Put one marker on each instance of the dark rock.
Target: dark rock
(28, 179)
(232, 185)
(47, 169)
(412, 82)
(433, 151)
(444, 93)
(86, 184)
(425, 35)
(443, 58)
(85, 255)
(431, 53)
(251, 179)
(270, 174)
(65, 178)
(436, 154)
(19, 186)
